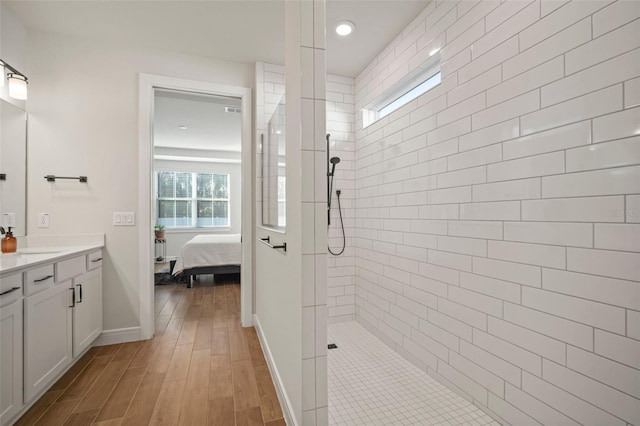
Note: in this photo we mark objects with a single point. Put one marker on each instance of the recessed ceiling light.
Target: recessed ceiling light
(182, 127)
(344, 28)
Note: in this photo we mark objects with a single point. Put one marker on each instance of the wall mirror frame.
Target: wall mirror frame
(13, 168)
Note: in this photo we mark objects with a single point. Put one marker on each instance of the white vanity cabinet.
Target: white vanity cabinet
(10, 346)
(62, 319)
(50, 314)
(48, 337)
(87, 312)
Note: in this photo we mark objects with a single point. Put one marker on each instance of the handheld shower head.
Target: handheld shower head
(333, 161)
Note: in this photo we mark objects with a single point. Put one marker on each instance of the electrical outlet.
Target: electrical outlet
(43, 220)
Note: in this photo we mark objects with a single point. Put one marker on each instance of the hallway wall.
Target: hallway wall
(498, 215)
(84, 121)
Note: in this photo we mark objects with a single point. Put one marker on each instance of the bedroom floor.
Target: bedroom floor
(201, 368)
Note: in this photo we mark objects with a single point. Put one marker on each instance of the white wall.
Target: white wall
(497, 230)
(278, 289)
(83, 104)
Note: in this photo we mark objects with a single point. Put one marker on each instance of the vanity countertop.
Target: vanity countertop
(42, 249)
(33, 256)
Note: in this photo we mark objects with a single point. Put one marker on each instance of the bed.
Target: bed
(209, 254)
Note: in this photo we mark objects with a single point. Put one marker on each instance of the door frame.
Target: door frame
(147, 84)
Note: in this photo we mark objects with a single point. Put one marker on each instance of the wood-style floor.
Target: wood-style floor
(201, 368)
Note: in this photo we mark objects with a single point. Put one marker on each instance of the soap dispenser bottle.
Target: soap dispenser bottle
(9, 242)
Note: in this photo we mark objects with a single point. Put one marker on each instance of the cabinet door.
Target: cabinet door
(10, 361)
(87, 314)
(48, 341)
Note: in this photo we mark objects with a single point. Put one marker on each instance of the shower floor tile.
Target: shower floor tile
(370, 384)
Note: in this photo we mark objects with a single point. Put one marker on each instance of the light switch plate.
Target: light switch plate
(124, 218)
(43, 220)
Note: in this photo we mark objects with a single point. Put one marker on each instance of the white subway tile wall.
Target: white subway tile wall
(493, 223)
(341, 269)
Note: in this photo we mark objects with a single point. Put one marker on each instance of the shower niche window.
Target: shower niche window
(274, 183)
(416, 83)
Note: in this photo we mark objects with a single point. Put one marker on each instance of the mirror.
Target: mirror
(273, 171)
(13, 168)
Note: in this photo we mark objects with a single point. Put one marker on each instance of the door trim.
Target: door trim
(149, 82)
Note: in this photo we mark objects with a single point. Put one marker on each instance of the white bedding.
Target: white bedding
(209, 250)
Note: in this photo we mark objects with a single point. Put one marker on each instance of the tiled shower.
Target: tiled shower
(497, 217)
(493, 224)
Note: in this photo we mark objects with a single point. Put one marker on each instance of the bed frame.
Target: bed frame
(205, 270)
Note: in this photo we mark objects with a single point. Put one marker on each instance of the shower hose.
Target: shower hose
(344, 238)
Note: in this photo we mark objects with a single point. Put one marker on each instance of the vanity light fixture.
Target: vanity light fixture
(17, 81)
(344, 28)
(182, 127)
(17, 86)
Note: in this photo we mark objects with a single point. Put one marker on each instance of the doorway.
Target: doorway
(195, 177)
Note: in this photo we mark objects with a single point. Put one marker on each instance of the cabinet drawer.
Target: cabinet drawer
(70, 268)
(94, 260)
(39, 278)
(10, 289)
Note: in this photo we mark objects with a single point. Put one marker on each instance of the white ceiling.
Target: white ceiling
(208, 126)
(234, 30)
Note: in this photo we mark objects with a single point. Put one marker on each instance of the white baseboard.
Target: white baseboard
(285, 403)
(118, 335)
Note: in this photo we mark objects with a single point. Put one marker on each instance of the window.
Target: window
(420, 89)
(410, 87)
(186, 199)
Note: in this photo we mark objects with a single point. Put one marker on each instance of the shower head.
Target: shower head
(333, 161)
